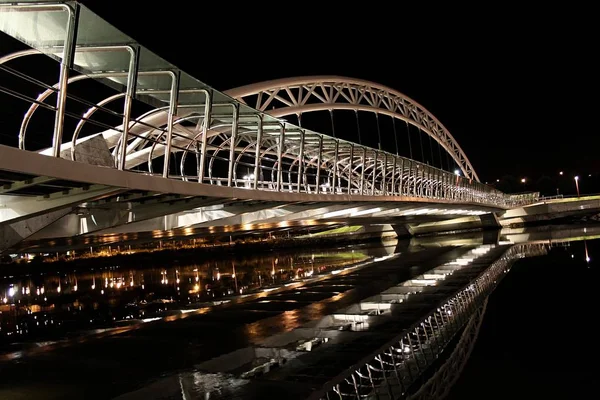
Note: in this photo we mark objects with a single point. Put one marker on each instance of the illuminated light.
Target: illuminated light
(102, 291)
(457, 172)
(177, 280)
(523, 180)
(218, 275)
(588, 259)
(75, 288)
(58, 289)
(42, 290)
(93, 287)
(196, 287)
(560, 173)
(424, 281)
(340, 212)
(150, 319)
(119, 284)
(577, 178)
(369, 211)
(142, 286)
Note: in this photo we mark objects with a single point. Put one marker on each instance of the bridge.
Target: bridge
(114, 143)
(125, 142)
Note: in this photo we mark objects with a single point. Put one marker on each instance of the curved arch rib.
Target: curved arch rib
(343, 93)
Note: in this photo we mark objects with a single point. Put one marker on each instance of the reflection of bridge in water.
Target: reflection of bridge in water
(395, 315)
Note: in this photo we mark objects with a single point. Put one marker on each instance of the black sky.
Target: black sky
(516, 87)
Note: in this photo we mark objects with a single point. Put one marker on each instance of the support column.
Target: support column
(259, 133)
(300, 160)
(319, 162)
(280, 157)
(205, 129)
(172, 111)
(134, 55)
(63, 78)
(234, 131)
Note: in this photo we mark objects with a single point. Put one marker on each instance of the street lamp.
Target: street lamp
(577, 185)
(523, 180)
(560, 173)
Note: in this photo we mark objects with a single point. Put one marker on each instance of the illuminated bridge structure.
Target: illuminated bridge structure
(123, 142)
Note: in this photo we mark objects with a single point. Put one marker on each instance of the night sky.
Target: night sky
(516, 89)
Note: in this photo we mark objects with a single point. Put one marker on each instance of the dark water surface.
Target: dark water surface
(539, 338)
(127, 332)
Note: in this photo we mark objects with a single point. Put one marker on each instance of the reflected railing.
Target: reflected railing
(153, 118)
(391, 371)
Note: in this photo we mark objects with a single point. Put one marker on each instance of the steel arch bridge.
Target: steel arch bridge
(123, 125)
(296, 96)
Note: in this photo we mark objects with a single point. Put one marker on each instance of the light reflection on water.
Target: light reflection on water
(53, 305)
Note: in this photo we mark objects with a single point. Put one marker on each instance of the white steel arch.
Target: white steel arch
(323, 93)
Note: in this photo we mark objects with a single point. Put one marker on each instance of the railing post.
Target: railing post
(205, 129)
(383, 181)
(172, 111)
(300, 160)
(414, 171)
(319, 162)
(66, 64)
(350, 168)
(134, 55)
(401, 177)
(259, 133)
(394, 176)
(374, 173)
(362, 172)
(234, 129)
(335, 166)
(280, 156)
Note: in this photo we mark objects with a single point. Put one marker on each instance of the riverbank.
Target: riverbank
(184, 255)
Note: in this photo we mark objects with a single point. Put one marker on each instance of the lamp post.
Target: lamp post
(577, 185)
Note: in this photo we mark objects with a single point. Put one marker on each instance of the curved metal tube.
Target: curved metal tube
(381, 100)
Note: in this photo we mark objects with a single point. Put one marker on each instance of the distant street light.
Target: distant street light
(523, 180)
(457, 172)
(577, 185)
(560, 173)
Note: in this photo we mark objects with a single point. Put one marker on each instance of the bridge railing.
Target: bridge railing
(151, 117)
